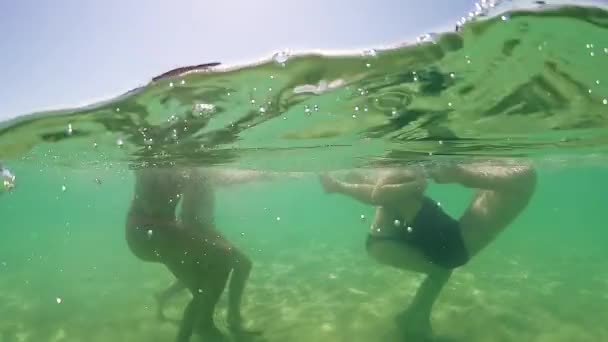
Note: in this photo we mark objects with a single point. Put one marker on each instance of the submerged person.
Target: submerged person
(188, 243)
(412, 232)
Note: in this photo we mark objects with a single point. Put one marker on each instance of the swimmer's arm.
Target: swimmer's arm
(236, 177)
(386, 190)
(195, 199)
(386, 193)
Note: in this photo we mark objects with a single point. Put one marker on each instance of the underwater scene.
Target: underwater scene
(447, 189)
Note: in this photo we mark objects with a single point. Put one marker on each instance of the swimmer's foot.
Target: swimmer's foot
(235, 325)
(211, 334)
(160, 314)
(414, 326)
(329, 183)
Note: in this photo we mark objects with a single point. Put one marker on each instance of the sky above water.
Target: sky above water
(67, 53)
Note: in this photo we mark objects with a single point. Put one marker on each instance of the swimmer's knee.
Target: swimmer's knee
(528, 173)
(524, 178)
(242, 262)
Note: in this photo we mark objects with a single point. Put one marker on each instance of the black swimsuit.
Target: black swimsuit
(435, 233)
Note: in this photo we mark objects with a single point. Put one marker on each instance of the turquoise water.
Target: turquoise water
(530, 92)
(545, 278)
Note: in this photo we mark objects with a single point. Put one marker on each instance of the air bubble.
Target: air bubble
(315, 108)
(449, 104)
(63, 188)
(242, 234)
(427, 38)
(98, 181)
(119, 142)
(70, 129)
(8, 179)
(367, 65)
(171, 84)
(605, 101)
(452, 75)
(183, 82)
(58, 300)
(409, 229)
(149, 233)
(262, 110)
(278, 218)
(307, 110)
(204, 108)
(356, 108)
(505, 17)
(281, 57)
(172, 119)
(370, 53)
(362, 217)
(397, 223)
(94, 145)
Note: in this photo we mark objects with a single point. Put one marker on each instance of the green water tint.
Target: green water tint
(66, 274)
(532, 85)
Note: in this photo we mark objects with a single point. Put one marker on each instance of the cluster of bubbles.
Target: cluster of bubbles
(481, 9)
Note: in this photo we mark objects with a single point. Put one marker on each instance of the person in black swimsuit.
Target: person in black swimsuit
(412, 232)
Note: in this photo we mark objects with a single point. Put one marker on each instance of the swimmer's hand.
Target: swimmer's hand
(242, 335)
(235, 325)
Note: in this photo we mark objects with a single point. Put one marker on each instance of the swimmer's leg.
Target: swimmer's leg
(206, 285)
(240, 274)
(204, 274)
(415, 321)
(186, 327)
(504, 191)
(209, 296)
(163, 297)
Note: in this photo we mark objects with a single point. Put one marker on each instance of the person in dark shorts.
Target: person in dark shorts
(412, 232)
(188, 243)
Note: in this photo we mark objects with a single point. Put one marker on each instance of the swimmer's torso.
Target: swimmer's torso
(390, 220)
(158, 193)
